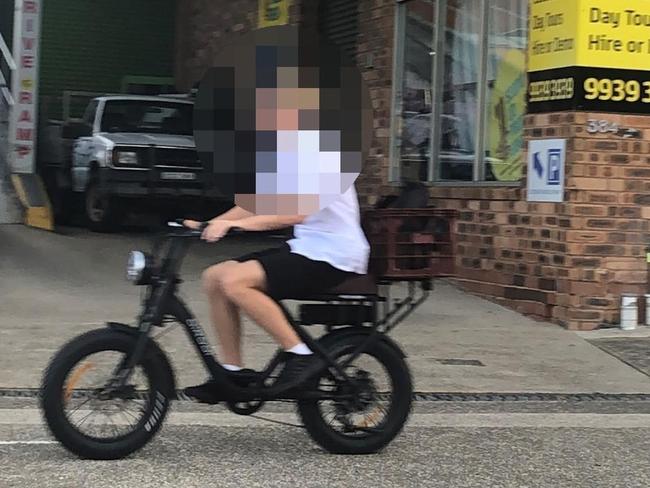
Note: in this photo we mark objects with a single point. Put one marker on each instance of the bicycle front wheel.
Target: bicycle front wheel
(92, 419)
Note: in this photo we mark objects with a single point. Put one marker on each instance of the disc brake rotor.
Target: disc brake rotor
(363, 404)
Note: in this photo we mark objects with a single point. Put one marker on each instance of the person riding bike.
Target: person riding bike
(329, 247)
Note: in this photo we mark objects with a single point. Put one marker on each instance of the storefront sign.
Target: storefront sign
(22, 129)
(590, 55)
(546, 163)
(552, 36)
(273, 12)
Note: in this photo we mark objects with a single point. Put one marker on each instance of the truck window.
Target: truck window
(89, 115)
(147, 116)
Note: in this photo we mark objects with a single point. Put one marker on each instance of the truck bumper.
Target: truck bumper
(158, 183)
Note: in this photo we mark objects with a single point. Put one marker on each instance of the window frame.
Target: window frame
(433, 170)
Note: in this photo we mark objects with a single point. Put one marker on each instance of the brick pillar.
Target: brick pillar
(607, 208)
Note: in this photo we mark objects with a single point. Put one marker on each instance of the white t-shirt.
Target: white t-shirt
(334, 235)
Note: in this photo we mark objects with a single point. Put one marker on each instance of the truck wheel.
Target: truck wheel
(103, 211)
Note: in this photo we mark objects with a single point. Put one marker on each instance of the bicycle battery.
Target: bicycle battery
(334, 314)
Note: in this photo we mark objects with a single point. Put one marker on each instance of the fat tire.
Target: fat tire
(400, 409)
(155, 366)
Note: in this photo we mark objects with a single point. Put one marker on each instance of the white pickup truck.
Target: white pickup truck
(125, 148)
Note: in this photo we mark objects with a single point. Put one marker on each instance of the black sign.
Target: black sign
(589, 89)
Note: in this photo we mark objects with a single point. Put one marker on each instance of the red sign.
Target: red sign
(23, 151)
(24, 134)
(25, 97)
(30, 7)
(24, 115)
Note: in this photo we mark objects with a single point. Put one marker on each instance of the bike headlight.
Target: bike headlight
(138, 267)
(126, 158)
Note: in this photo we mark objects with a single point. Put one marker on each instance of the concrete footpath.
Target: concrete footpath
(53, 287)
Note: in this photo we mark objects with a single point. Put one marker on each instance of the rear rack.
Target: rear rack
(411, 244)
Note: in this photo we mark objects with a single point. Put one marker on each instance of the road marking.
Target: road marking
(18, 443)
(26, 417)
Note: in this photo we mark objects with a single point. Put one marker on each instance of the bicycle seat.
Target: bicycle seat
(358, 285)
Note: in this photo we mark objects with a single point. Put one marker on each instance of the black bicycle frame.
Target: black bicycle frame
(164, 302)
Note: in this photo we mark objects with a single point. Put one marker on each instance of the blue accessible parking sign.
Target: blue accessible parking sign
(546, 162)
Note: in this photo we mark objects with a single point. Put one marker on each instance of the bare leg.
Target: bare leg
(224, 314)
(243, 285)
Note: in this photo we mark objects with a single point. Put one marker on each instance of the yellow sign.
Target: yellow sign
(553, 34)
(614, 34)
(507, 110)
(272, 13)
(595, 33)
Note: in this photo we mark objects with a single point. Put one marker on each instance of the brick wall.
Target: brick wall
(509, 249)
(608, 195)
(568, 262)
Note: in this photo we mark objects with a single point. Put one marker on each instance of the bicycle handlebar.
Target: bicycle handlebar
(183, 231)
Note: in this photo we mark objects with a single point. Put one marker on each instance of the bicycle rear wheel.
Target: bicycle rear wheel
(362, 421)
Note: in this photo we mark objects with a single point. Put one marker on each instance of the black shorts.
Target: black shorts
(293, 276)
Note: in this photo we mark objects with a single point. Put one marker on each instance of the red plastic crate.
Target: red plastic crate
(410, 244)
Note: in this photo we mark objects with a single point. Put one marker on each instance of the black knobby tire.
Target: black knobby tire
(103, 211)
(161, 385)
(398, 413)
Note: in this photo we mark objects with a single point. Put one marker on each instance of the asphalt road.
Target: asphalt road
(62, 284)
(525, 445)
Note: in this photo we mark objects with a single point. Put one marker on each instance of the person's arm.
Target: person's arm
(268, 222)
(256, 223)
(235, 213)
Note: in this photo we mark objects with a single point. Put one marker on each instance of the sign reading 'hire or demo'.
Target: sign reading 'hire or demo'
(590, 54)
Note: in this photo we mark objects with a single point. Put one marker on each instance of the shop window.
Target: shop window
(506, 91)
(459, 91)
(412, 135)
(459, 94)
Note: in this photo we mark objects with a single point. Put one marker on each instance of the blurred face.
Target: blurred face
(298, 168)
(296, 124)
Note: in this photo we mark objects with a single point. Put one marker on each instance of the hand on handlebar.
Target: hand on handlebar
(193, 224)
(216, 230)
(211, 231)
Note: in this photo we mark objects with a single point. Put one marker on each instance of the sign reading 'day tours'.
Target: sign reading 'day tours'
(546, 162)
(589, 55)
